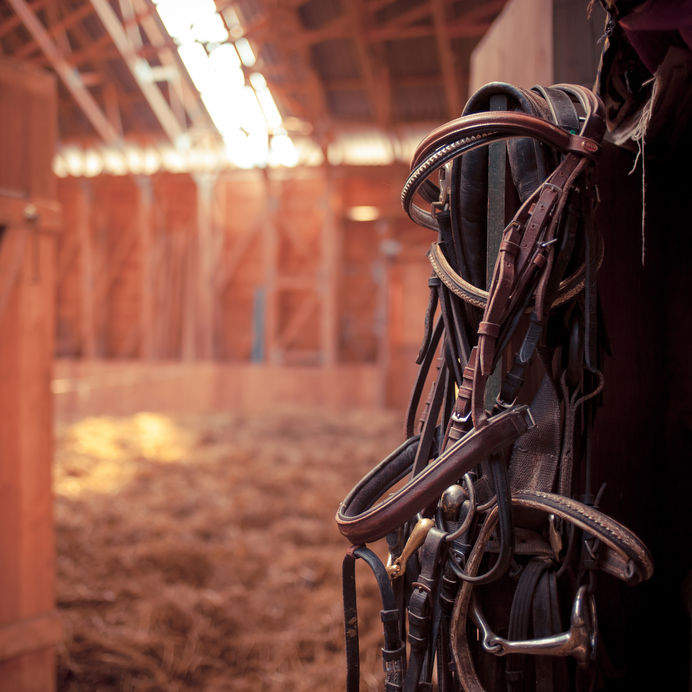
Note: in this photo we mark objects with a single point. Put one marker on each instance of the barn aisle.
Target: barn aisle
(200, 553)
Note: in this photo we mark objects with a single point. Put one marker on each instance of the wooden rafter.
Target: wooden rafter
(57, 30)
(447, 59)
(375, 79)
(158, 104)
(308, 82)
(410, 16)
(67, 74)
(11, 23)
(182, 89)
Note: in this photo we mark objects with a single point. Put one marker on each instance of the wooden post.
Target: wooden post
(88, 345)
(29, 625)
(207, 255)
(146, 288)
(385, 255)
(329, 271)
(271, 250)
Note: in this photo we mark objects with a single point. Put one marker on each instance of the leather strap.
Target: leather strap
(361, 521)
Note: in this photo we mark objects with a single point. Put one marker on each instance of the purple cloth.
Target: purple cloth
(655, 25)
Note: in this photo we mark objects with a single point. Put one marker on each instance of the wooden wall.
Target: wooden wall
(245, 267)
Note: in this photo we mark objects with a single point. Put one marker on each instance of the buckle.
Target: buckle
(445, 186)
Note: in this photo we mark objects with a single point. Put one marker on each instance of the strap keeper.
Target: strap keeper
(420, 585)
(389, 615)
(489, 329)
(539, 260)
(509, 247)
(393, 654)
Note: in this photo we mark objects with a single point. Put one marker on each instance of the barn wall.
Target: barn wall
(249, 269)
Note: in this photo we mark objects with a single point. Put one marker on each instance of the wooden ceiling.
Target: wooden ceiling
(332, 65)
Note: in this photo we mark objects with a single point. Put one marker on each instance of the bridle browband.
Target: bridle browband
(488, 511)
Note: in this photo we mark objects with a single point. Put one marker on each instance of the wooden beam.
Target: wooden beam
(130, 26)
(69, 76)
(339, 28)
(232, 261)
(447, 60)
(374, 82)
(158, 104)
(57, 30)
(314, 105)
(298, 320)
(12, 22)
(99, 49)
(112, 104)
(182, 88)
(456, 29)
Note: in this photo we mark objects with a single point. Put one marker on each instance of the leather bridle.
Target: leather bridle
(489, 515)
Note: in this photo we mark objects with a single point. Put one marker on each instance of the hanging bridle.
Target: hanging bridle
(491, 576)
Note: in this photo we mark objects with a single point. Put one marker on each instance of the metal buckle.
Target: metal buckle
(504, 405)
(461, 419)
(445, 185)
(579, 641)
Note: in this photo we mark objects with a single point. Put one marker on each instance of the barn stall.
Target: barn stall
(212, 316)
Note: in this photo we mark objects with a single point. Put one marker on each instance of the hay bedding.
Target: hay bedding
(201, 554)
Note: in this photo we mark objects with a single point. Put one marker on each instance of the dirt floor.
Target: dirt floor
(202, 553)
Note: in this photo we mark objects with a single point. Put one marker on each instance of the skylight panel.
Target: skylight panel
(245, 115)
(247, 55)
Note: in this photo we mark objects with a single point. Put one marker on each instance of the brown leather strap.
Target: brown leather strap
(362, 522)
